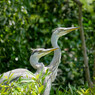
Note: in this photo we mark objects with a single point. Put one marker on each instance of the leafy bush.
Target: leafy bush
(70, 90)
(89, 91)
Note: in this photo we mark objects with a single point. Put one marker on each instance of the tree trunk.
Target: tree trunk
(87, 72)
(94, 63)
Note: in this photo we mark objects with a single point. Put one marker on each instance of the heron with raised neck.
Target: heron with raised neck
(57, 33)
(53, 67)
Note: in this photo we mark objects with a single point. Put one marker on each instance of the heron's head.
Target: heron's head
(41, 52)
(58, 32)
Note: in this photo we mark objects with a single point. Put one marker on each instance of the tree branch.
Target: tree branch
(78, 2)
(94, 64)
(87, 72)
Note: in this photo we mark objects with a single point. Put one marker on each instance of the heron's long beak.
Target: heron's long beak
(65, 31)
(71, 29)
(48, 51)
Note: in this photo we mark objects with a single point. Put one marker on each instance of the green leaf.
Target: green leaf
(1, 76)
(40, 89)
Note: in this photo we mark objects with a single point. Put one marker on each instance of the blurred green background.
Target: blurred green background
(26, 24)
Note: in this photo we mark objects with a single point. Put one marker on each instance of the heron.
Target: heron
(35, 56)
(53, 67)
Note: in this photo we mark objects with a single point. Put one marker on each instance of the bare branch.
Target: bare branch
(87, 72)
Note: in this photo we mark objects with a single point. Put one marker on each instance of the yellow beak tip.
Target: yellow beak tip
(53, 49)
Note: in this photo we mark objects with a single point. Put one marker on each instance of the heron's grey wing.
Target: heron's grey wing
(16, 73)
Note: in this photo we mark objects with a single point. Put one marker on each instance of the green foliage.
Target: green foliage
(69, 90)
(25, 24)
(89, 5)
(89, 91)
(28, 23)
(33, 86)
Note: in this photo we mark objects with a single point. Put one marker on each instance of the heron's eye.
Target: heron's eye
(40, 51)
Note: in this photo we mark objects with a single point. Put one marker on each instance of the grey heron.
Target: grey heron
(35, 56)
(57, 33)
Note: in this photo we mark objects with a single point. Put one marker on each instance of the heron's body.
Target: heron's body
(16, 73)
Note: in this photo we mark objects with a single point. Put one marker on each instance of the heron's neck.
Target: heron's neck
(57, 53)
(34, 62)
(54, 40)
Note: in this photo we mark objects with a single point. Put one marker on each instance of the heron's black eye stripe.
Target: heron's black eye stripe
(34, 52)
(37, 51)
